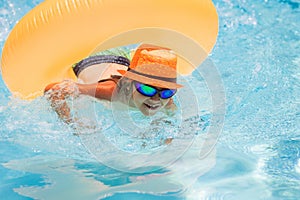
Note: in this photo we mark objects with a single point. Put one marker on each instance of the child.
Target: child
(147, 83)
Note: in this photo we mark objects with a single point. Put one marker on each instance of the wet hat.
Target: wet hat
(154, 65)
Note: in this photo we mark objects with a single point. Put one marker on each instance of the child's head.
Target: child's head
(151, 78)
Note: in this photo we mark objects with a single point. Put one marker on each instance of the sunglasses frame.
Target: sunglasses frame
(136, 83)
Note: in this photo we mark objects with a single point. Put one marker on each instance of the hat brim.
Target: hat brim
(151, 81)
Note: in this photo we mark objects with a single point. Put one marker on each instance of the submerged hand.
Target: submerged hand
(57, 94)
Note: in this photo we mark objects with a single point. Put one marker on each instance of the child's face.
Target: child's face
(148, 105)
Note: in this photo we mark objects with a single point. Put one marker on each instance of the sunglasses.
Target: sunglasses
(150, 91)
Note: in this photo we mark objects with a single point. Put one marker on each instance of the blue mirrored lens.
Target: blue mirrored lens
(165, 94)
(145, 89)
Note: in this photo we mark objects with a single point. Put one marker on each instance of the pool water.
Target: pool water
(258, 153)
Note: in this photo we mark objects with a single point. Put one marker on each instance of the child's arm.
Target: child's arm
(58, 92)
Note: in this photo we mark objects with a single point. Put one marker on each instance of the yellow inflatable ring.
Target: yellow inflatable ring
(58, 33)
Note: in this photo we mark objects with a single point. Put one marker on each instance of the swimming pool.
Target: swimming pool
(258, 152)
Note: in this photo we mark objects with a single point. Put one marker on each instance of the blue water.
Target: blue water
(258, 152)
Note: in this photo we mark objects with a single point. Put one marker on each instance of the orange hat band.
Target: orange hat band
(172, 80)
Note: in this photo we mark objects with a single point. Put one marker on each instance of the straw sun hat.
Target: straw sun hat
(153, 65)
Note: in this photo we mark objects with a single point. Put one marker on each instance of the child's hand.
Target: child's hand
(57, 94)
(63, 89)
(68, 88)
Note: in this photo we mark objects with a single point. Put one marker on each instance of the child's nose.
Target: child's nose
(156, 97)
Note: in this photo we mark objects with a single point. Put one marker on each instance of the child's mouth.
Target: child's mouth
(152, 107)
